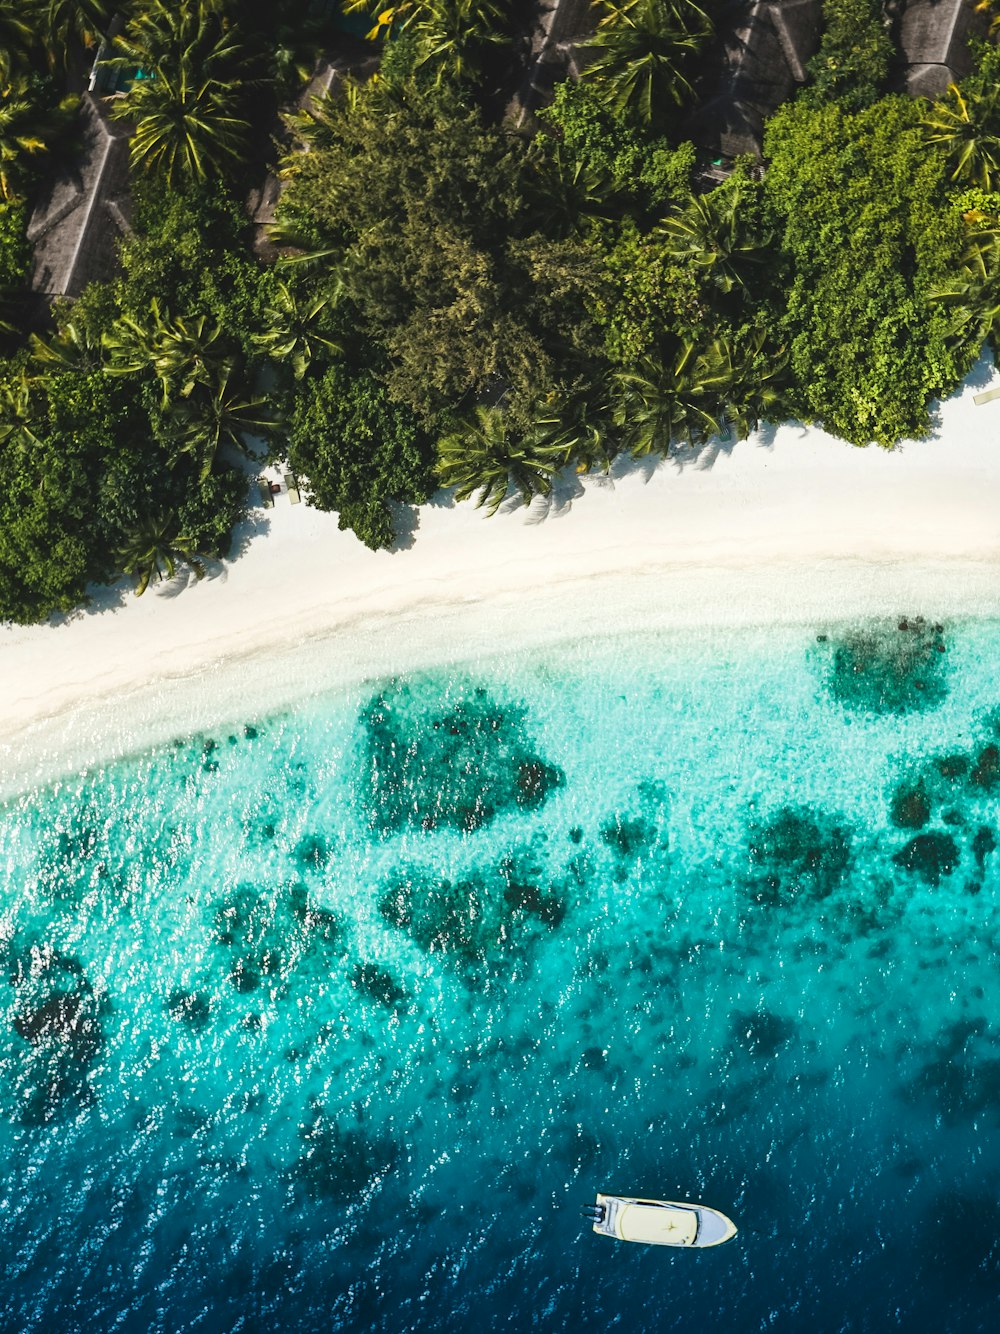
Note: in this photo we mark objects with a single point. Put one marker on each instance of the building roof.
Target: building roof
(83, 210)
(764, 60)
(934, 39)
(558, 28)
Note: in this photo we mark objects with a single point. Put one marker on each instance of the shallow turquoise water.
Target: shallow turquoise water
(335, 1018)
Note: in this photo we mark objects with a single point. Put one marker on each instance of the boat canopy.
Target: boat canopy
(658, 1223)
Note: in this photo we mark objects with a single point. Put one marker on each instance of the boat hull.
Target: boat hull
(661, 1222)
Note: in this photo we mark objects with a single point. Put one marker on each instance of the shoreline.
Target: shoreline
(789, 526)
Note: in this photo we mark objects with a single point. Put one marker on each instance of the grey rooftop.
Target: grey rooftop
(83, 209)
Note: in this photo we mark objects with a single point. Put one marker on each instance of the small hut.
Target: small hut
(764, 60)
(83, 209)
(934, 39)
(558, 29)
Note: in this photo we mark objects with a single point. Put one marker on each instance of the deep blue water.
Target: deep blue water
(332, 1020)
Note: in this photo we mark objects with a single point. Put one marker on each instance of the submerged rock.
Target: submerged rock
(800, 853)
(435, 763)
(378, 985)
(761, 1033)
(929, 856)
(911, 807)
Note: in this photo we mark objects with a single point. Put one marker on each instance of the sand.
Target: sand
(788, 525)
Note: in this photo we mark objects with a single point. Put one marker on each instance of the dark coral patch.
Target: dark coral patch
(911, 807)
(986, 773)
(627, 837)
(313, 852)
(952, 767)
(341, 1164)
(58, 1016)
(929, 856)
(983, 844)
(799, 854)
(457, 765)
(761, 1033)
(542, 904)
(268, 932)
(445, 918)
(477, 920)
(961, 1239)
(189, 1007)
(378, 985)
(956, 1085)
(882, 667)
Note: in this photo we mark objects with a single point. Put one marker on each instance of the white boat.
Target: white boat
(659, 1222)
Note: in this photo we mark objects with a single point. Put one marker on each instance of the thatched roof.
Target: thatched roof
(83, 209)
(764, 61)
(558, 28)
(934, 38)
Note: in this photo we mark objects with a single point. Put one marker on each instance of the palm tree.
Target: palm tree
(223, 414)
(709, 232)
(294, 332)
(965, 130)
(689, 400)
(180, 352)
(188, 352)
(154, 549)
(26, 129)
(488, 455)
(450, 34)
(23, 413)
(63, 22)
(17, 36)
(641, 52)
(660, 404)
(74, 348)
(187, 98)
(973, 295)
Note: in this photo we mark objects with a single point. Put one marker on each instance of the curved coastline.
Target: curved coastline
(790, 525)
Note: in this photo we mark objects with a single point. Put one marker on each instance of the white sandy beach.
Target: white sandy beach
(789, 525)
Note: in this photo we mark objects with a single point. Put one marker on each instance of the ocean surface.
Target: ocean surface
(332, 1020)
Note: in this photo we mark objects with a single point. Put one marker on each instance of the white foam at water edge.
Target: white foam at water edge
(249, 679)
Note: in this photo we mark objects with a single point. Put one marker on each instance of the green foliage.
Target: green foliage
(31, 120)
(359, 450)
(615, 167)
(411, 206)
(641, 57)
(446, 39)
(123, 414)
(188, 101)
(489, 454)
(854, 57)
(57, 436)
(191, 254)
(863, 218)
(15, 252)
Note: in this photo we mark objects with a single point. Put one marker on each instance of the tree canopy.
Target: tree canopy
(452, 296)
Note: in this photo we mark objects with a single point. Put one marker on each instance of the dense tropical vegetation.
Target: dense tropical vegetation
(457, 295)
